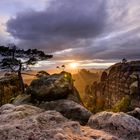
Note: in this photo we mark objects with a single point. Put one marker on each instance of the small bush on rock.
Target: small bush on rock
(124, 105)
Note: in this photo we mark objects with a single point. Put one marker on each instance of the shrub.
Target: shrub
(124, 105)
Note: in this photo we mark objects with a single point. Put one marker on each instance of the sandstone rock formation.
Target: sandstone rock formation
(119, 124)
(9, 88)
(57, 115)
(27, 122)
(54, 87)
(119, 81)
(56, 92)
(69, 109)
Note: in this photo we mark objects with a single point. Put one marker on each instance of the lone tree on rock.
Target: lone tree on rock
(124, 60)
(17, 60)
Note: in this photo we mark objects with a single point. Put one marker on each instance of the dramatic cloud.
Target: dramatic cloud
(79, 29)
(8, 10)
(63, 23)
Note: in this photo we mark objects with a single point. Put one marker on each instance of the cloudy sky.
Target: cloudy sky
(92, 33)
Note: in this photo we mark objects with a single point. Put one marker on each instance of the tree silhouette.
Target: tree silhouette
(16, 60)
(124, 60)
(61, 67)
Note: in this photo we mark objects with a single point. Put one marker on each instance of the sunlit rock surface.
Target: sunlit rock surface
(54, 87)
(119, 124)
(27, 122)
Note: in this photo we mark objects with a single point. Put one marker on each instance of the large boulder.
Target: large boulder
(118, 124)
(53, 87)
(66, 107)
(26, 122)
(69, 109)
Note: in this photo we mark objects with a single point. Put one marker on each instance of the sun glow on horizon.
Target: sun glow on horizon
(73, 65)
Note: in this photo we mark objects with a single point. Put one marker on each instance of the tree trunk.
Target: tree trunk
(21, 79)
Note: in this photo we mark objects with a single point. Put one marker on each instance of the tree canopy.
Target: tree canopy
(17, 60)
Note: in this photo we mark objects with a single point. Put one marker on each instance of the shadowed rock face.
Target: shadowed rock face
(135, 113)
(69, 109)
(123, 79)
(9, 88)
(119, 124)
(54, 87)
(117, 82)
(27, 122)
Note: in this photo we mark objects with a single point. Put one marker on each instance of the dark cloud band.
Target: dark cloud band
(74, 24)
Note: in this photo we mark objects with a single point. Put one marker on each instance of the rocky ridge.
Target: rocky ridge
(121, 81)
(40, 116)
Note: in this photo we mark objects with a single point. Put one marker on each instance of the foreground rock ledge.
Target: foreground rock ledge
(119, 124)
(69, 109)
(27, 122)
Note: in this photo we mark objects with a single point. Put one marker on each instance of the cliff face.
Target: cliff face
(120, 81)
(9, 88)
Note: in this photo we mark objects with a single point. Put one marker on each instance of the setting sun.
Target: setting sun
(73, 65)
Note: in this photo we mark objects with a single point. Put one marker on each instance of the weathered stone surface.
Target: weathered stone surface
(122, 79)
(69, 109)
(54, 87)
(135, 113)
(9, 88)
(5, 108)
(118, 124)
(26, 122)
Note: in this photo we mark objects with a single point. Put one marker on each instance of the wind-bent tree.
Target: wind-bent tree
(17, 60)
